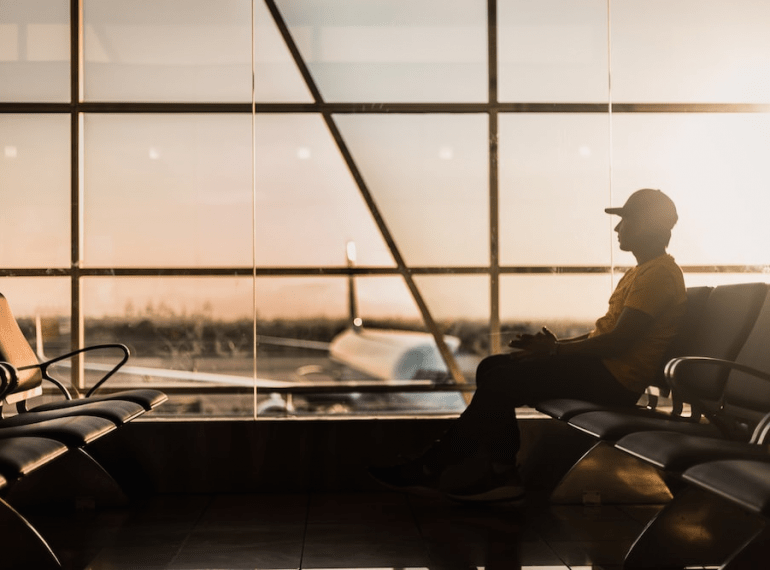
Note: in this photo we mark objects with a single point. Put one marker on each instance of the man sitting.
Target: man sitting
(612, 365)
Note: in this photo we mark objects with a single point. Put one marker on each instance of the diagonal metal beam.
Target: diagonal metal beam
(403, 269)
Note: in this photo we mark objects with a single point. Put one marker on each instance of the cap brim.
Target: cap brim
(616, 211)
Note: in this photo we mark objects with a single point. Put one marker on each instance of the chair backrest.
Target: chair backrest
(696, 304)
(697, 297)
(747, 397)
(726, 321)
(15, 350)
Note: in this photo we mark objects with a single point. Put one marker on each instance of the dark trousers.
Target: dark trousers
(489, 426)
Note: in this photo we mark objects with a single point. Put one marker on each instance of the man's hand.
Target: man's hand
(524, 340)
(533, 346)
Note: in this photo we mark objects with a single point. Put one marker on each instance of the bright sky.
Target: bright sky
(176, 190)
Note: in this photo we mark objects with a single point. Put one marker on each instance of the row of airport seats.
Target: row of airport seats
(710, 466)
(44, 459)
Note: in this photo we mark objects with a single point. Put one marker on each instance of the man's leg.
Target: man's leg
(489, 424)
(486, 435)
(461, 441)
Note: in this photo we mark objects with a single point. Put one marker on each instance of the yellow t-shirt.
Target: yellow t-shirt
(657, 288)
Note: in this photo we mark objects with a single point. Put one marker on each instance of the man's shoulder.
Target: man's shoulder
(664, 273)
(664, 265)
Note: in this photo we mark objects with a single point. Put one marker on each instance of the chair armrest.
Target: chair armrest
(8, 378)
(674, 364)
(760, 431)
(62, 388)
(45, 365)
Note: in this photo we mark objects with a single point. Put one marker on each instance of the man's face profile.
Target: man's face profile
(634, 232)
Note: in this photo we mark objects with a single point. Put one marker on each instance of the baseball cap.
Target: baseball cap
(653, 206)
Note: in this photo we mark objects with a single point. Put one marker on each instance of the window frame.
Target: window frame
(77, 108)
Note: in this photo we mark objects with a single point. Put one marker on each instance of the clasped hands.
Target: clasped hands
(533, 345)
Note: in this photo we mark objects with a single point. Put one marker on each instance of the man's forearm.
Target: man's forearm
(603, 346)
(574, 338)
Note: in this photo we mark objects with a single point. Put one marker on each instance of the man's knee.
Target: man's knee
(494, 369)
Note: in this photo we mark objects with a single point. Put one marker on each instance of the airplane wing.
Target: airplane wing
(382, 354)
(293, 342)
(209, 377)
(191, 376)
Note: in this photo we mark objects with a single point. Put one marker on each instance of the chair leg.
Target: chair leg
(75, 479)
(610, 476)
(24, 547)
(696, 528)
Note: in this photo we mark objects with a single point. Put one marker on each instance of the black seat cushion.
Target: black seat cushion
(678, 451)
(612, 425)
(565, 408)
(22, 455)
(146, 397)
(73, 431)
(117, 411)
(743, 481)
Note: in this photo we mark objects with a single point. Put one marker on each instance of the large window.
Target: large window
(293, 208)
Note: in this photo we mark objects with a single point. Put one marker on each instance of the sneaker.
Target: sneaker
(410, 477)
(493, 487)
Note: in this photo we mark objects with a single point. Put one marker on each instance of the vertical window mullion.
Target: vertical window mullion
(494, 186)
(76, 189)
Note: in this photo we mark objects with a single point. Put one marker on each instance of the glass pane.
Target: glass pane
(460, 306)
(378, 50)
(691, 51)
(305, 336)
(386, 301)
(35, 178)
(35, 51)
(429, 176)
(168, 190)
(718, 278)
(307, 204)
(277, 76)
(568, 304)
(456, 299)
(297, 298)
(167, 50)
(298, 318)
(714, 167)
(554, 186)
(388, 308)
(46, 297)
(41, 306)
(552, 51)
(193, 333)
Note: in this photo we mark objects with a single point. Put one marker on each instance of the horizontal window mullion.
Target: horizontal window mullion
(380, 108)
(338, 271)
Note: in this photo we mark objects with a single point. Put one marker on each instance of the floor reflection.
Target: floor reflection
(341, 531)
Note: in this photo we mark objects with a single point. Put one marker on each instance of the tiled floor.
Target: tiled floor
(357, 530)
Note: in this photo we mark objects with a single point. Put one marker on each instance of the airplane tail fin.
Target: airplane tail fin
(355, 321)
(39, 339)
